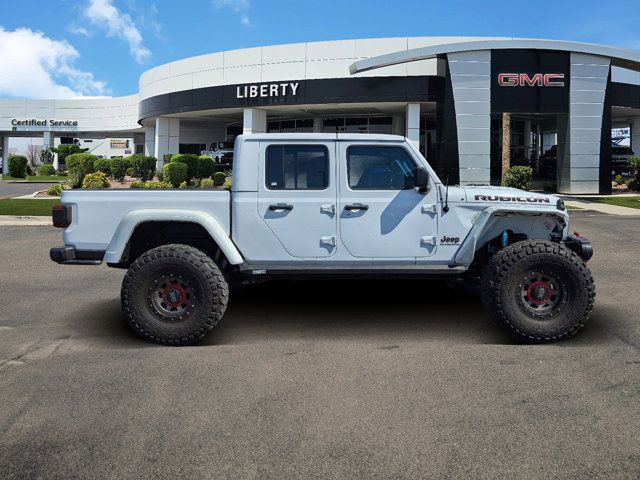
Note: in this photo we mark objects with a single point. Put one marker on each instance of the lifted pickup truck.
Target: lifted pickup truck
(327, 205)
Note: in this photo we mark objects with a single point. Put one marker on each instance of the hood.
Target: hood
(506, 195)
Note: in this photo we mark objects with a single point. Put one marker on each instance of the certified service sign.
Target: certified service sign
(33, 122)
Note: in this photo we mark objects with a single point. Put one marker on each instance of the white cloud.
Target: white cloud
(35, 66)
(238, 6)
(78, 30)
(104, 15)
(235, 5)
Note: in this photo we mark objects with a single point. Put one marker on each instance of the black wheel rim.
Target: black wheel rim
(542, 294)
(171, 297)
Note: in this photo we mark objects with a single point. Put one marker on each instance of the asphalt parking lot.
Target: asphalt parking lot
(15, 189)
(315, 380)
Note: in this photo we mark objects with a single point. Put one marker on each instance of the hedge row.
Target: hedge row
(81, 164)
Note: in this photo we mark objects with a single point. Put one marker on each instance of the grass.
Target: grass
(631, 202)
(39, 178)
(39, 208)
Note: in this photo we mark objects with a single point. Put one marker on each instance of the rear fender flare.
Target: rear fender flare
(131, 220)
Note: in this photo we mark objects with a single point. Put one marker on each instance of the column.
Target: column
(150, 141)
(579, 172)
(397, 125)
(5, 155)
(166, 138)
(413, 123)
(634, 123)
(527, 139)
(48, 142)
(471, 84)
(318, 125)
(254, 120)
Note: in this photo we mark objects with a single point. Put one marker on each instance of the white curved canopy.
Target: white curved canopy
(620, 57)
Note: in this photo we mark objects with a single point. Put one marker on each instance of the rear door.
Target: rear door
(297, 196)
(379, 217)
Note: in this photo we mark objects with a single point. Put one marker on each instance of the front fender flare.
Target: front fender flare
(134, 218)
(482, 227)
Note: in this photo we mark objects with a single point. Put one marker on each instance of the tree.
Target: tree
(65, 150)
(33, 154)
(506, 144)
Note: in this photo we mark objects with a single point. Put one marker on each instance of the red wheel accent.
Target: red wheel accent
(174, 295)
(539, 292)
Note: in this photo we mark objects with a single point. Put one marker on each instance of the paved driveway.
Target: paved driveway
(314, 380)
(15, 189)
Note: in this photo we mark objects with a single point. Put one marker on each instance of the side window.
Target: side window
(297, 167)
(378, 168)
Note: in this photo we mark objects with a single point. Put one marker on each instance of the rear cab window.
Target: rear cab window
(297, 167)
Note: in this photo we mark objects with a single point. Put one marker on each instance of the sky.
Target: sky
(67, 49)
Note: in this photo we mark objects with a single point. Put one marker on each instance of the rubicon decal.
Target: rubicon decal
(501, 198)
(535, 80)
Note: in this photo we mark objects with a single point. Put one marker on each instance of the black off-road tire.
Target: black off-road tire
(511, 296)
(180, 274)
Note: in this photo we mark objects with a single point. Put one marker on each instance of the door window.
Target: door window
(378, 168)
(297, 167)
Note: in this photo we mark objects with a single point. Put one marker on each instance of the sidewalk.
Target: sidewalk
(13, 220)
(584, 203)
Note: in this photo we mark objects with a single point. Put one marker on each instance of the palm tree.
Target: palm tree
(506, 144)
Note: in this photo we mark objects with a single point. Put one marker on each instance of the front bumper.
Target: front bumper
(70, 256)
(580, 245)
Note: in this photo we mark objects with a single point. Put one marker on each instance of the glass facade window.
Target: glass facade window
(357, 125)
(284, 126)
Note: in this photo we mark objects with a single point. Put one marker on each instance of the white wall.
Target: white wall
(300, 61)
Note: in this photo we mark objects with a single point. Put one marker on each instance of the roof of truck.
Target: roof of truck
(368, 137)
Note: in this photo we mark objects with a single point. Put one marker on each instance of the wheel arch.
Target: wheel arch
(157, 227)
(536, 224)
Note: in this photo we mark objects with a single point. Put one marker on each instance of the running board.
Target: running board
(407, 270)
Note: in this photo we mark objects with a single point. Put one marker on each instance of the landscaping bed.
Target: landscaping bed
(619, 201)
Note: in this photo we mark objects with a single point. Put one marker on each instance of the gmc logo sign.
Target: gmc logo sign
(537, 80)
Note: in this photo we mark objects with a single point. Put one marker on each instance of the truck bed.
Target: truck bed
(98, 214)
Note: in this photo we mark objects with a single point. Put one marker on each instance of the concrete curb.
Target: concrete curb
(585, 204)
(17, 220)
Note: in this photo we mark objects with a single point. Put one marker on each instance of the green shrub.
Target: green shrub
(550, 187)
(29, 171)
(159, 175)
(166, 158)
(150, 184)
(206, 183)
(65, 150)
(102, 165)
(617, 179)
(219, 178)
(205, 167)
(130, 171)
(227, 184)
(95, 180)
(518, 177)
(144, 167)
(118, 168)
(79, 165)
(17, 166)
(46, 169)
(55, 190)
(183, 185)
(634, 164)
(632, 184)
(191, 161)
(174, 173)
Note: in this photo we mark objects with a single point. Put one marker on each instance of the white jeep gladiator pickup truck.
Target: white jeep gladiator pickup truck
(330, 205)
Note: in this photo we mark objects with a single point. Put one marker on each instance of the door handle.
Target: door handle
(280, 206)
(356, 206)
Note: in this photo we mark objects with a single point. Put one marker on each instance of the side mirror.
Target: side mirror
(419, 180)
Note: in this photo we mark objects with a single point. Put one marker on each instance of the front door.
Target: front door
(379, 217)
(297, 196)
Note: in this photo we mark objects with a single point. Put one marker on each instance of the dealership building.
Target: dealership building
(446, 94)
